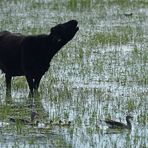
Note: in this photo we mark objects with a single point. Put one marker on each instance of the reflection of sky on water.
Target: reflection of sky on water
(101, 83)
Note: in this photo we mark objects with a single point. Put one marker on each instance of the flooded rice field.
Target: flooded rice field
(102, 73)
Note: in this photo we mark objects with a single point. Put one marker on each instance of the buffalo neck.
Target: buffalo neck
(53, 48)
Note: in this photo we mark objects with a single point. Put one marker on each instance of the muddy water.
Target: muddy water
(93, 77)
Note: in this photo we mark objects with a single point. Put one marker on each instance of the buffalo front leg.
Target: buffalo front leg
(8, 85)
(33, 85)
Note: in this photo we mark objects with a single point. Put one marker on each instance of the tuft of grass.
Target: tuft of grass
(80, 5)
(109, 38)
(125, 4)
(131, 105)
(142, 119)
(4, 111)
(122, 3)
(72, 4)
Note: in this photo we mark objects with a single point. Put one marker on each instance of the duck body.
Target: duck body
(42, 125)
(115, 124)
(23, 120)
(3, 124)
(66, 124)
(128, 14)
(58, 124)
(62, 124)
(119, 125)
(19, 120)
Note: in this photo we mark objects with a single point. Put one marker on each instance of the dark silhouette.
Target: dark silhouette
(30, 56)
(114, 124)
(128, 14)
(25, 121)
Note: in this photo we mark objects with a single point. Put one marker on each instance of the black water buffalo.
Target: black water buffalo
(30, 55)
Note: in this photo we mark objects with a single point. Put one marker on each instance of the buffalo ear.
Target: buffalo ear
(56, 28)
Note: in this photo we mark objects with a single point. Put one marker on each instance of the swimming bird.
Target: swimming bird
(3, 124)
(66, 124)
(44, 125)
(128, 14)
(25, 121)
(119, 125)
(19, 120)
(59, 123)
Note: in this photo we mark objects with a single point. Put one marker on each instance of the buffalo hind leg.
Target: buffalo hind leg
(8, 85)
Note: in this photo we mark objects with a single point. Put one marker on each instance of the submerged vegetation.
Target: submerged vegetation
(102, 73)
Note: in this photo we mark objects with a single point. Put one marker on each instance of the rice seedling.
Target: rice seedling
(101, 73)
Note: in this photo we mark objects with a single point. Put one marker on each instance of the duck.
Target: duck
(43, 125)
(59, 123)
(62, 124)
(68, 124)
(19, 120)
(119, 125)
(30, 121)
(3, 124)
(128, 14)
